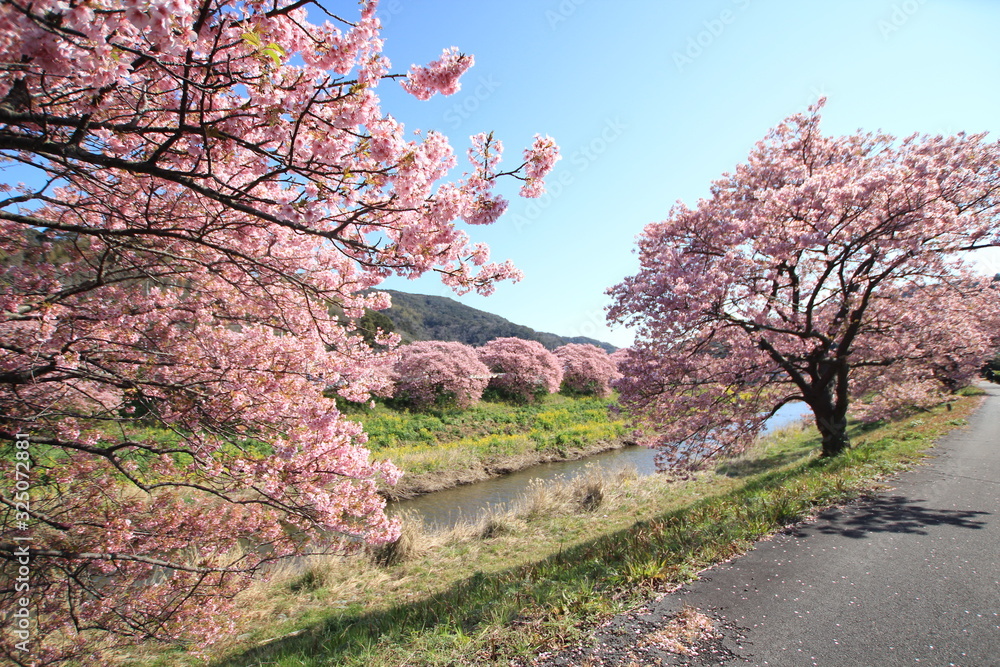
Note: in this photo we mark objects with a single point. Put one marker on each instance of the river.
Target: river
(444, 509)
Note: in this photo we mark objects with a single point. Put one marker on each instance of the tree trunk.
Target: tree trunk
(831, 420)
(834, 434)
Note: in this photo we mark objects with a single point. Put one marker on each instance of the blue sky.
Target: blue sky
(651, 101)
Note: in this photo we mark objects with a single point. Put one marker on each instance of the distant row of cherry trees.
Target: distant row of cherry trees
(429, 373)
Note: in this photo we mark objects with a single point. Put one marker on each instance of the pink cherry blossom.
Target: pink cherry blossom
(539, 161)
(441, 76)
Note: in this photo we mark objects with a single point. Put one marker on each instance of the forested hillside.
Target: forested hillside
(424, 317)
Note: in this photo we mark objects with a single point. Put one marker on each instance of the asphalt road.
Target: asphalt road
(911, 577)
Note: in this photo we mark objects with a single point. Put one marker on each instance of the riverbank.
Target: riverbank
(414, 485)
(464, 503)
(448, 448)
(570, 556)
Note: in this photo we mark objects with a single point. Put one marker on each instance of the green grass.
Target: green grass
(489, 432)
(388, 428)
(543, 579)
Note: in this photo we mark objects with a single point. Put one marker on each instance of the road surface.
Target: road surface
(911, 577)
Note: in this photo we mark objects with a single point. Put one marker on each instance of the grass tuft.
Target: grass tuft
(495, 525)
(409, 544)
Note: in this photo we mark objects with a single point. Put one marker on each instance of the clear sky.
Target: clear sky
(650, 101)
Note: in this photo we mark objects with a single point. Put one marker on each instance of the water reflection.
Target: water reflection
(444, 509)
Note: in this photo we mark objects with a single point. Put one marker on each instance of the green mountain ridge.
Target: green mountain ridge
(424, 317)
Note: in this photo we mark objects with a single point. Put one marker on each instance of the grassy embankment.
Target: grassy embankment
(567, 558)
(445, 448)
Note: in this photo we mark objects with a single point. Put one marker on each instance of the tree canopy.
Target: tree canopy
(522, 369)
(825, 269)
(204, 184)
(434, 372)
(587, 369)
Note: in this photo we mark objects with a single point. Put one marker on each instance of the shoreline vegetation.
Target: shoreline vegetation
(566, 558)
(442, 449)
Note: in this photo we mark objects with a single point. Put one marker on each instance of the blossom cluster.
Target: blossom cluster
(441, 76)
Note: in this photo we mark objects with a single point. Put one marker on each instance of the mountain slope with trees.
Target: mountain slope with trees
(424, 317)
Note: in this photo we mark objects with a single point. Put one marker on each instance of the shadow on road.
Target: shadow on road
(893, 514)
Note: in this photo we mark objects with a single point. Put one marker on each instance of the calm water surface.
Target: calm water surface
(444, 509)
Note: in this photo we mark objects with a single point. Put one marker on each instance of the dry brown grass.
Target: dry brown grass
(410, 543)
(294, 587)
(427, 559)
(586, 493)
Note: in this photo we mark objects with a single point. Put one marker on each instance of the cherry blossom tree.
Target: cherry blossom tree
(829, 270)
(209, 188)
(523, 369)
(620, 355)
(587, 369)
(432, 372)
